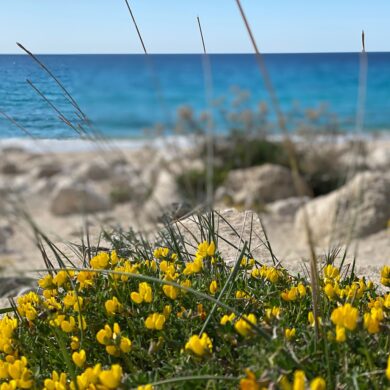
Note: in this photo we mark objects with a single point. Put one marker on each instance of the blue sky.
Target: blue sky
(169, 26)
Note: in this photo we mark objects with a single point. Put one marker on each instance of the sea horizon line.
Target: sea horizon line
(195, 54)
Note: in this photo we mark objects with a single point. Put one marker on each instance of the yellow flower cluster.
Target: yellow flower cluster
(7, 328)
(227, 318)
(331, 274)
(112, 339)
(273, 312)
(385, 275)
(205, 250)
(344, 317)
(113, 306)
(155, 321)
(289, 334)
(96, 378)
(15, 374)
(144, 294)
(373, 318)
(271, 274)
(27, 305)
(294, 293)
(243, 327)
(199, 345)
(162, 319)
(299, 382)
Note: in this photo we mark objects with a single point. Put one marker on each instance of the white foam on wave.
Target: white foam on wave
(78, 145)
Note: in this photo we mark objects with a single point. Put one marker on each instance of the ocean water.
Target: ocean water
(125, 94)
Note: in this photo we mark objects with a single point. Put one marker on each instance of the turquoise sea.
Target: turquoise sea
(125, 94)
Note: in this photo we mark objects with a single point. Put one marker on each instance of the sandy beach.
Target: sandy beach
(36, 178)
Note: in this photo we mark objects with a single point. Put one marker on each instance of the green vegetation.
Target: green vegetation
(173, 312)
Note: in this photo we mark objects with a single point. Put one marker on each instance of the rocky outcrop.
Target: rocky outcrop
(257, 186)
(286, 208)
(94, 171)
(165, 194)
(46, 169)
(360, 208)
(72, 197)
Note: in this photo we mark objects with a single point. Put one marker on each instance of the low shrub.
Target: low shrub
(172, 316)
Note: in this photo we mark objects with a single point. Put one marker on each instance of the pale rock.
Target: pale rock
(360, 208)
(259, 185)
(165, 193)
(286, 208)
(94, 171)
(72, 197)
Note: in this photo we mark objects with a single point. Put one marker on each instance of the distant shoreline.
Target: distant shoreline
(79, 145)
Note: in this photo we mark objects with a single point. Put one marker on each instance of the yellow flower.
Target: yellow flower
(318, 384)
(385, 276)
(242, 295)
(310, 318)
(111, 378)
(299, 380)
(194, 267)
(167, 268)
(145, 387)
(155, 321)
(213, 287)
(100, 261)
(271, 274)
(273, 312)
(372, 320)
(329, 291)
(160, 253)
(55, 382)
(89, 378)
(331, 273)
(61, 278)
(242, 326)
(301, 290)
(205, 249)
(340, 334)
(114, 257)
(151, 264)
(144, 294)
(46, 281)
(388, 368)
(125, 345)
(113, 340)
(74, 343)
(20, 374)
(289, 333)
(249, 382)
(227, 318)
(70, 299)
(127, 268)
(345, 316)
(386, 303)
(167, 311)
(67, 326)
(186, 283)
(104, 335)
(79, 358)
(290, 295)
(171, 291)
(113, 306)
(199, 345)
(85, 278)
